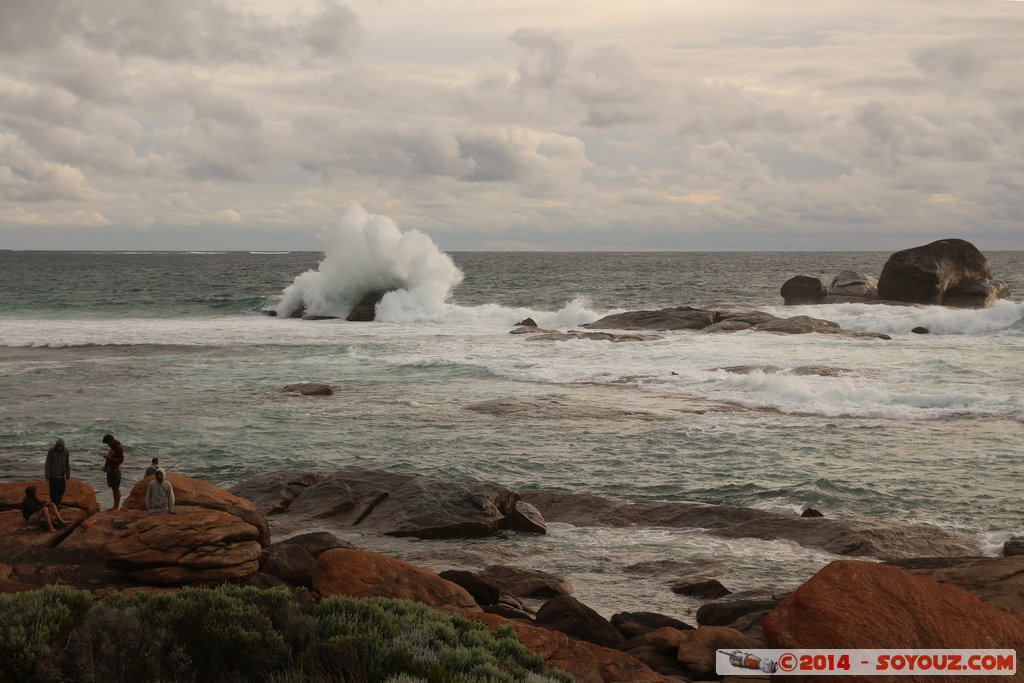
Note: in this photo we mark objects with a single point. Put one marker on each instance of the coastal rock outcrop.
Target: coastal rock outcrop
(570, 616)
(997, 581)
(197, 493)
(392, 503)
(188, 547)
(362, 574)
(950, 272)
(678, 318)
(851, 287)
(802, 290)
(78, 504)
(308, 389)
(850, 604)
(526, 583)
(365, 309)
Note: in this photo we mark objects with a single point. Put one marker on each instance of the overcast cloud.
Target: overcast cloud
(733, 125)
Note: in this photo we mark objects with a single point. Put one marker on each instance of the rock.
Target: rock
(726, 612)
(841, 537)
(78, 494)
(363, 574)
(196, 493)
(996, 581)
(554, 335)
(15, 532)
(525, 518)
(709, 589)
(509, 612)
(273, 492)
(654, 658)
(317, 542)
(529, 322)
(289, 562)
(811, 512)
(191, 546)
(851, 604)
(366, 309)
(920, 330)
(533, 330)
(311, 316)
(631, 624)
(925, 274)
(856, 287)
(586, 662)
(698, 647)
(483, 591)
(977, 294)
(570, 616)
(666, 638)
(802, 290)
(550, 407)
(1014, 546)
(679, 318)
(308, 389)
(526, 583)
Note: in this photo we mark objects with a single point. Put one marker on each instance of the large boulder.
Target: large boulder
(977, 294)
(801, 290)
(365, 309)
(394, 503)
(680, 318)
(196, 493)
(191, 546)
(927, 274)
(526, 583)
(483, 591)
(632, 624)
(364, 574)
(851, 287)
(77, 494)
(78, 504)
(570, 616)
(851, 604)
(289, 562)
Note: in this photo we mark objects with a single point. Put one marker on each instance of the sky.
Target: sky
(512, 124)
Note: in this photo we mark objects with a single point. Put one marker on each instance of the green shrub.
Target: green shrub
(30, 624)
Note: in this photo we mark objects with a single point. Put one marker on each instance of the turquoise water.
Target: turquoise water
(170, 352)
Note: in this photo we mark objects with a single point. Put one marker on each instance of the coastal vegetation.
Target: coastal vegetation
(236, 633)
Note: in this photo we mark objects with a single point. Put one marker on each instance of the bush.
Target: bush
(246, 634)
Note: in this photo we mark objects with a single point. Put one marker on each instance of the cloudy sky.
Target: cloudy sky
(512, 124)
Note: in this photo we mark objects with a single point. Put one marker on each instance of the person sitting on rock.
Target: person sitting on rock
(151, 470)
(159, 495)
(36, 511)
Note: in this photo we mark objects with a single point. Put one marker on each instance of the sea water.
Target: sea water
(173, 353)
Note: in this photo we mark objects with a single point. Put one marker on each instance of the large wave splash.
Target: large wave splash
(364, 252)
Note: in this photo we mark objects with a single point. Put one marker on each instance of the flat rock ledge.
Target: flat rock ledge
(697, 319)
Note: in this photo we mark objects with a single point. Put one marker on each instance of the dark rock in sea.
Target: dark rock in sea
(680, 318)
(948, 272)
(549, 407)
(631, 624)
(366, 309)
(390, 503)
(289, 562)
(851, 287)
(811, 512)
(708, 589)
(529, 322)
(801, 290)
(308, 389)
(800, 370)
(526, 518)
(316, 542)
(726, 612)
(526, 583)
(1014, 546)
(996, 581)
(269, 311)
(570, 616)
(299, 312)
(851, 604)
(313, 316)
(532, 330)
(555, 335)
(483, 591)
(920, 330)
(854, 537)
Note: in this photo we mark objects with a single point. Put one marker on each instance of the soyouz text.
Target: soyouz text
(865, 662)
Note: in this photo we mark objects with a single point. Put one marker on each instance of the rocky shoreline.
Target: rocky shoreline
(911, 586)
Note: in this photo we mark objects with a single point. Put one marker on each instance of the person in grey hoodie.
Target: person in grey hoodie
(159, 495)
(57, 470)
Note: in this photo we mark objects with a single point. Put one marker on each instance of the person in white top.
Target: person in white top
(159, 495)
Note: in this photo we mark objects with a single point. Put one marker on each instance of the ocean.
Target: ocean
(172, 353)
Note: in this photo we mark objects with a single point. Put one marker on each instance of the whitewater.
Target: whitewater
(174, 353)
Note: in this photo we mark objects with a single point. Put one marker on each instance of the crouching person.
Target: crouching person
(160, 495)
(36, 511)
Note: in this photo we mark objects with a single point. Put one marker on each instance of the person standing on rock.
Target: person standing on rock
(159, 495)
(57, 470)
(112, 466)
(36, 511)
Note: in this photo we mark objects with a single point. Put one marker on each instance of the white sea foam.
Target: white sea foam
(365, 252)
(941, 320)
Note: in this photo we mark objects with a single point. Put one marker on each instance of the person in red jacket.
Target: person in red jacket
(112, 466)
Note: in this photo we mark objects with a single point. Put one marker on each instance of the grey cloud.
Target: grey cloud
(544, 59)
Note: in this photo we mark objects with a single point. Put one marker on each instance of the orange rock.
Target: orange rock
(189, 492)
(588, 663)
(15, 532)
(188, 547)
(851, 604)
(78, 494)
(363, 574)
